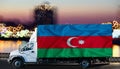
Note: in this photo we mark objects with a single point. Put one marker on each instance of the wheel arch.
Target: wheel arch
(19, 57)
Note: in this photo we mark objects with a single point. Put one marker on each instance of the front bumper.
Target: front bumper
(9, 60)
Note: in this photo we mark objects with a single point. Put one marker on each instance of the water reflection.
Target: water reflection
(10, 45)
(116, 51)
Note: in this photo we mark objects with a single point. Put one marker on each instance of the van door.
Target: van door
(29, 52)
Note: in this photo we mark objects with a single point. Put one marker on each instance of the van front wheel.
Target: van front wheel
(17, 63)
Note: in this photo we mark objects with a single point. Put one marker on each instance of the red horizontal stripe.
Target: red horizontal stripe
(76, 42)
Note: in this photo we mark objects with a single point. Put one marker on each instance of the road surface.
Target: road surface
(5, 65)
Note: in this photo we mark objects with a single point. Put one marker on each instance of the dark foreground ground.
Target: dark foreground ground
(5, 65)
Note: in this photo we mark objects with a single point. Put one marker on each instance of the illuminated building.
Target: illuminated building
(14, 31)
(115, 24)
(44, 14)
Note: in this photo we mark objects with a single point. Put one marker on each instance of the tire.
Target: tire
(85, 63)
(17, 64)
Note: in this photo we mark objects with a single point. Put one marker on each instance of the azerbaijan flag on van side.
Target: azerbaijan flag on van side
(77, 40)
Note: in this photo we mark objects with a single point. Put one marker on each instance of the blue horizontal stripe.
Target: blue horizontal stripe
(75, 30)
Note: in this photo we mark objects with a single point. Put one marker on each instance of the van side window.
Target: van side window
(28, 47)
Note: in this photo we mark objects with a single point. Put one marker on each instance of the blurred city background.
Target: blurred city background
(18, 19)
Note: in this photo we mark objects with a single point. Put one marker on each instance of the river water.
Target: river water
(6, 46)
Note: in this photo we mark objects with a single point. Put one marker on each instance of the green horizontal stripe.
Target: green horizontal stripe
(74, 52)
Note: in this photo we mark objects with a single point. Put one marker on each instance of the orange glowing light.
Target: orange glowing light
(8, 46)
(19, 43)
(116, 51)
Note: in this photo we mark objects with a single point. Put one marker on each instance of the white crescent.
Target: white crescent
(69, 42)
